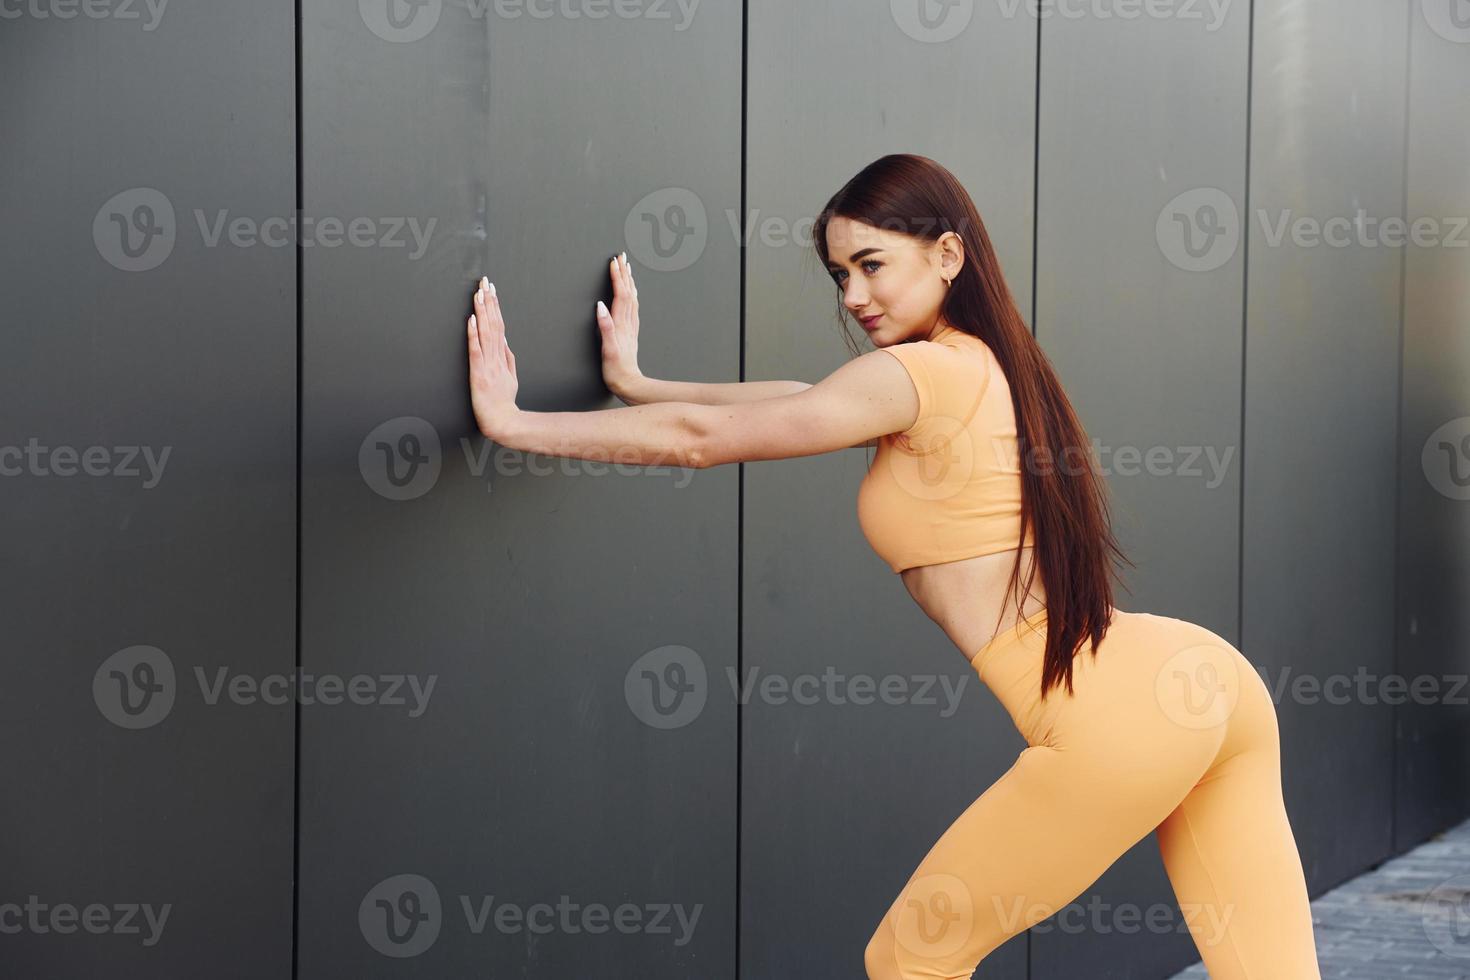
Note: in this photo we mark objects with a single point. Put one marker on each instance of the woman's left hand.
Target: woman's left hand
(493, 382)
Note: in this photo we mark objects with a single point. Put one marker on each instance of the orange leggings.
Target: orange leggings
(1171, 730)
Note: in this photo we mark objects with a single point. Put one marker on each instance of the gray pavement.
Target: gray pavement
(1407, 918)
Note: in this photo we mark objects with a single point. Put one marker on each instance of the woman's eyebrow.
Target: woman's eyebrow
(855, 256)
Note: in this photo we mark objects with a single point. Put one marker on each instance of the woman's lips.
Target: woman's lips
(871, 321)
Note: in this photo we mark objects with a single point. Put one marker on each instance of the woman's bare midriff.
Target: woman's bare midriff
(965, 597)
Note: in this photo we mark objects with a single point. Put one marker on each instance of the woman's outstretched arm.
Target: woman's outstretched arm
(623, 377)
(643, 390)
(863, 399)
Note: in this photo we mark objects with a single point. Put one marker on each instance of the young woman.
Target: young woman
(1134, 722)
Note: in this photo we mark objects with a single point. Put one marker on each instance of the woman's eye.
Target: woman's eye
(837, 276)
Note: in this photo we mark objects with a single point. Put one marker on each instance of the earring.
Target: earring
(946, 284)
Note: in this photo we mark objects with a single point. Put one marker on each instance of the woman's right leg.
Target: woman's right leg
(1230, 853)
(1102, 770)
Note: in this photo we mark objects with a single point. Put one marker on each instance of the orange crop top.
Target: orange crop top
(949, 486)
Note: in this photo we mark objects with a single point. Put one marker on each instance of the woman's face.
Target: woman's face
(891, 276)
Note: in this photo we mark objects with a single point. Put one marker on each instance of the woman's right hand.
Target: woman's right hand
(619, 328)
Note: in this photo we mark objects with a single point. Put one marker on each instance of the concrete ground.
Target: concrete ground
(1407, 918)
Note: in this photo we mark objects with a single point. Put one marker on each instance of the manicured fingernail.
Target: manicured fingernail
(492, 289)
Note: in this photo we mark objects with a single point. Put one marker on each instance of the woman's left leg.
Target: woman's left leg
(1106, 765)
(1031, 843)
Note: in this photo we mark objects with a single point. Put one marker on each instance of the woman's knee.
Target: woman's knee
(932, 931)
(878, 959)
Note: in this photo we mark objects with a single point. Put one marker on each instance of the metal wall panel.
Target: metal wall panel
(529, 587)
(840, 799)
(1138, 304)
(147, 489)
(1433, 729)
(1321, 393)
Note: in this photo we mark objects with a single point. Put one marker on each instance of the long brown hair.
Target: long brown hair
(1068, 502)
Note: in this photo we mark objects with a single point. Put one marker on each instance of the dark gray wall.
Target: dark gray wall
(1309, 402)
(1321, 394)
(540, 596)
(1432, 788)
(127, 789)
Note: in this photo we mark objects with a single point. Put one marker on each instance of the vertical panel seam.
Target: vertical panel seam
(1245, 305)
(1398, 441)
(296, 652)
(1035, 253)
(740, 489)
